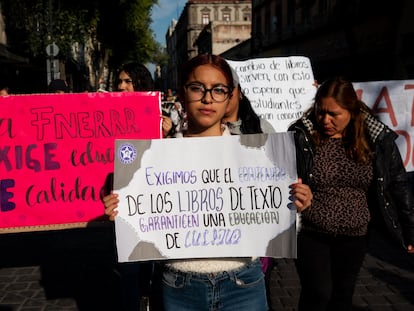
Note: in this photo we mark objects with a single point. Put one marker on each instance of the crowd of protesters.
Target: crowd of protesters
(351, 180)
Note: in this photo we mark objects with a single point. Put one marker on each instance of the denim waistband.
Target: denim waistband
(217, 276)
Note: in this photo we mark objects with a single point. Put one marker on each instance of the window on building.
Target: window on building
(323, 6)
(205, 19)
(247, 16)
(258, 35)
(267, 23)
(226, 14)
(305, 16)
(274, 23)
(258, 29)
(407, 43)
(291, 12)
(277, 22)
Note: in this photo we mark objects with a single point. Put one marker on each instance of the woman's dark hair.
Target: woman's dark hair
(6, 88)
(204, 59)
(354, 137)
(58, 85)
(140, 76)
(250, 120)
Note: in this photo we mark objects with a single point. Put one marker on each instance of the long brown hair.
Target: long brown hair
(354, 137)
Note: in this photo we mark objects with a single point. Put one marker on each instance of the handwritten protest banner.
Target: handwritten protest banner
(57, 150)
(279, 88)
(393, 103)
(222, 196)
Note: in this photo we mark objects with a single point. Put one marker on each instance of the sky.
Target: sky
(163, 14)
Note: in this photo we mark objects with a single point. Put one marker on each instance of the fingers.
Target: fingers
(410, 249)
(302, 195)
(111, 204)
(166, 125)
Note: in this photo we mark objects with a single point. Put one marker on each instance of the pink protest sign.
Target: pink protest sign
(56, 151)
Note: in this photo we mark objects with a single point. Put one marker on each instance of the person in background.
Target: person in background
(168, 101)
(240, 116)
(169, 96)
(58, 86)
(134, 77)
(135, 277)
(176, 116)
(213, 283)
(354, 168)
(4, 90)
(172, 111)
(242, 119)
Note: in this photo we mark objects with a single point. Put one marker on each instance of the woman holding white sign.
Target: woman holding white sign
(355, 171)
(215, 283)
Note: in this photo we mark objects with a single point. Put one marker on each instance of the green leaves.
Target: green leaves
(119, 26)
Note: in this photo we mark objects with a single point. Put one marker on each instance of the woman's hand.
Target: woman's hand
(302, 195)
(111, 203)
(166, 125)
(410, 249)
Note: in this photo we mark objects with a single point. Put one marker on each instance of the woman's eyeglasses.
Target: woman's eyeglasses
(197, 91)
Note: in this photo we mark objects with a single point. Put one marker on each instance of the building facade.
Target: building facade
(364, 40)
(206, 26)
(220, 36)
(11, 65)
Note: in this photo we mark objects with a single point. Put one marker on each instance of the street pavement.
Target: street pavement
(70, 270)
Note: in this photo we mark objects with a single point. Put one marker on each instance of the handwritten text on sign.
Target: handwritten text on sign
(205, 197)
(393, 103)
(57, 150)
(279, 88)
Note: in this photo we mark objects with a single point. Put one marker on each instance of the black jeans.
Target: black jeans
(328, 267)
(135, 283)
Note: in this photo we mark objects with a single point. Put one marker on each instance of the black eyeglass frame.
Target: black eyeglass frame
(230, 90)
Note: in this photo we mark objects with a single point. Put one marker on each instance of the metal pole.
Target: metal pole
(52, 71)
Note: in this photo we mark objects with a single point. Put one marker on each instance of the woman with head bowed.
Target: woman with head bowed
(354, 168)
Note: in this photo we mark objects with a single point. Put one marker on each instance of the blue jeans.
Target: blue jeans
(241, 289)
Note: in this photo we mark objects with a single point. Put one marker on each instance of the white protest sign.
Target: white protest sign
(279, 88)
(224, 196)
(392, 102)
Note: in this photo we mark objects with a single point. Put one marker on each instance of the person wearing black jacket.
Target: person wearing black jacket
(357, 177)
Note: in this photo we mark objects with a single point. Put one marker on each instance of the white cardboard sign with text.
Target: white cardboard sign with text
(224, 196)
(279, 88)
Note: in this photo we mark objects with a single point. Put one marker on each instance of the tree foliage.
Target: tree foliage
(32, 24)
(160, 57)
(125, 29)
(119, 29)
